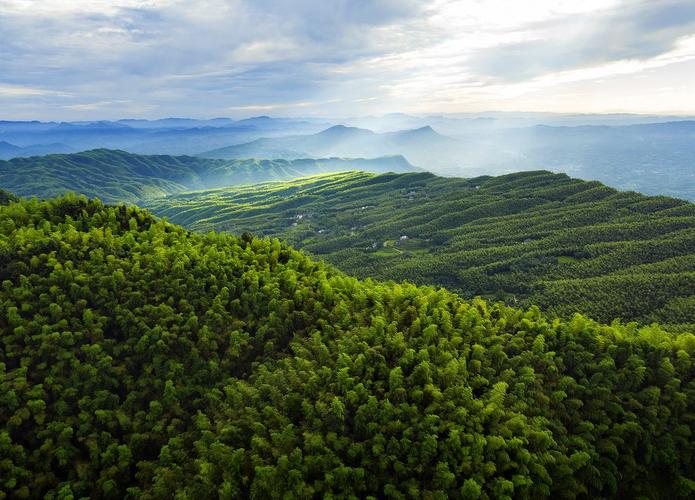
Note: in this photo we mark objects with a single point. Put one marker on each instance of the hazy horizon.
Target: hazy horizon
(335, 120)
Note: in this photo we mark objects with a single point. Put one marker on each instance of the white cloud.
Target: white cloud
(22, 91)
(282, 106)
(94, 106)
(62, 7)
(262, 51)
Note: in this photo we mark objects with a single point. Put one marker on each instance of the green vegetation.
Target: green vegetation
(109, 175)
(7, 198)
(528, 238)
(141, 360)
(117, 176)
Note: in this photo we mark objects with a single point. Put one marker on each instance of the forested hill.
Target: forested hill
(141, 360)
(117, 176)
(528, 238)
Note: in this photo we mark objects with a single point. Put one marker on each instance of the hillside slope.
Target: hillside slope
(141, 360)
(117, 176)
(8, 151)
(528, 238)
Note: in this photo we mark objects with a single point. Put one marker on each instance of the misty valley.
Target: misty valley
(653, 158)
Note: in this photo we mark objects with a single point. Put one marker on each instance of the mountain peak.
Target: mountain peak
(426, 132)
(7, 148)
(340, 130)
(256, 119)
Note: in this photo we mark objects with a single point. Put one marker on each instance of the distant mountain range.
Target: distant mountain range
(8, 150)
(339, 140)
(657, 158)
(116, 176)
(454, 124)
(165, 136)
(653, 158)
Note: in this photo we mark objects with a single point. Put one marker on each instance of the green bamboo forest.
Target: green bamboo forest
(529, 238)
(142, 360)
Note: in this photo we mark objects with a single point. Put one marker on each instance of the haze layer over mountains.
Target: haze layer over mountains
(649, 154)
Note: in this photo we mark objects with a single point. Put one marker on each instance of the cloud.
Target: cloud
(20, 91)
(639, 30)
(93, 106)
(86, 58)
(280, 106)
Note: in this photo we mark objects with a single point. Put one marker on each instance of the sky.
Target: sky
(106, 59)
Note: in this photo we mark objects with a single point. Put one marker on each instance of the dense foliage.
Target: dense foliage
(139, 359)
(7, 198)
(529, 238)
(117, 176)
